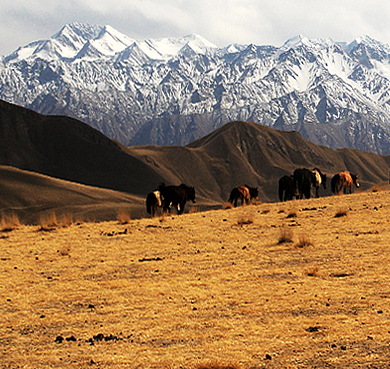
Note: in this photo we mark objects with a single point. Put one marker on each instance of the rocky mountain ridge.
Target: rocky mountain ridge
(175, 90)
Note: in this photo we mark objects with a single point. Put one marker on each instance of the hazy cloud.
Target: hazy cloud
(221, 21)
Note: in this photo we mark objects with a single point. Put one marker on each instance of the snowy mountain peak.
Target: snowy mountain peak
(77, 32)
(304, 41)
(294, 42)
(199, 44)
(80, 40)
(107, 43)
(140, 91)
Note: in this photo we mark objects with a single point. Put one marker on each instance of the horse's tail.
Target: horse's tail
(333, 183)
(281, 189)
(231, 197)
(148, 204)
(234, 195)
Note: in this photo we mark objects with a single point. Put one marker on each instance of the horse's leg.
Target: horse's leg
(166, 208)
(317, 191)
(180, 207)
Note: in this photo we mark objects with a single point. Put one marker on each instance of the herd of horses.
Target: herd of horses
(300, 183)
(297, 185)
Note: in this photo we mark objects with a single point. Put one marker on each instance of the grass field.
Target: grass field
(301, 284)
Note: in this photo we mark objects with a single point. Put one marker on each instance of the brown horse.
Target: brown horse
(243, 193)
(344, 180)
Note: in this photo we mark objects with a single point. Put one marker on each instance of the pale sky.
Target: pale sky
(221, 22)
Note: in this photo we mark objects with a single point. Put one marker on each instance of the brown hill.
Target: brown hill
(242, 152)
(237, 153)
(68, 149)
(32, 196)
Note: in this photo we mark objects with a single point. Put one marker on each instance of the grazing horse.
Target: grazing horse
(177, 196)
(304, 179)
(344, 180)
(154, 200)
(320, 180)
(286, 188)
(243, 193)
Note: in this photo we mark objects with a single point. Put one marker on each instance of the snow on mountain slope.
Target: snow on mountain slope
(174, 90)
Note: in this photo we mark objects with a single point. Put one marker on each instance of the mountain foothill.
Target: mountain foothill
(59, 164)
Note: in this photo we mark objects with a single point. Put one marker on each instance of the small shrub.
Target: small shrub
(123, 216)
(286, 235)
(303, 241)
(292, 214)
(341, 213)
(243, 221)
(313, 272)
(227, 205)
(193, 210)
(64, 251)
(256, 202)
(65, 220)
(48, 221)
(9, 222)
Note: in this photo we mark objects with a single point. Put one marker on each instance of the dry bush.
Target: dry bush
(48, 221)
(123, 216)
(194, 209)
(286, 235)
(9, 222)
(292, 214)
(380, 187)
(313, 272)
(248, 219)
(256, 202)
(341, 213)
(227, 205)
(65, 220)
(303, 241)
(64, 251)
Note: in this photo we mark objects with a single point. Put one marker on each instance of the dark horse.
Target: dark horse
(344, 180)
(177, 196)
(286, 188)
(304, 179)
(320, 180)
(243, 193)
(154, 200)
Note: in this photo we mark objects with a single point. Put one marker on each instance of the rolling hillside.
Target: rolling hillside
(237, 153)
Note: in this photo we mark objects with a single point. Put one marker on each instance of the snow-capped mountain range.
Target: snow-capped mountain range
(175, 90)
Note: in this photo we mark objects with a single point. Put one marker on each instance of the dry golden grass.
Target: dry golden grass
(123, 216)
(9, 222)
(228, 205)
(304, 241)
(286, 235)
(48, 221)
(200, 291)
(341, 213)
